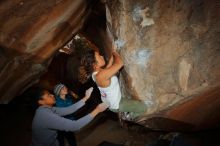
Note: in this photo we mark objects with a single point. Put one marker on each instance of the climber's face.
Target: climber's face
(100, 61)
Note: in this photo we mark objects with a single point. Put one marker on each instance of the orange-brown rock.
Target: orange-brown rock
(30, 33)
(170, 50)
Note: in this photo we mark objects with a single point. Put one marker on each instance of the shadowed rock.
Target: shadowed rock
(170, 50)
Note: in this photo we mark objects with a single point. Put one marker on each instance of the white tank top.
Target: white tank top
(110, 95)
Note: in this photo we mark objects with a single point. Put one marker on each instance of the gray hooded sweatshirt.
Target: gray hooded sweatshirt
(48, 120)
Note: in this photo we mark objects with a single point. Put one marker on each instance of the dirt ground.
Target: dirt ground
(108, 128)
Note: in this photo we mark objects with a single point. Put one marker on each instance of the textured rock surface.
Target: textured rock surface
(30, 33)
(170, 49)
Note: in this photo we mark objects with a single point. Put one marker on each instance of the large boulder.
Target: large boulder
(170, 50)
(171, 55)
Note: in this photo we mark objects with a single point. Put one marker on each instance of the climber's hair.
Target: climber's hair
(86, 65)
(86, 50)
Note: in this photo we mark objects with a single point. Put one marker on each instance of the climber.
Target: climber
(92, 65)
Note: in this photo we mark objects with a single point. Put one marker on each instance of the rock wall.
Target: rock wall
(170, 49)
(30, 34)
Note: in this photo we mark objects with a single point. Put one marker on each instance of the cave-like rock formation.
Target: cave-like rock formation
(170, 49)
(30, 33)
